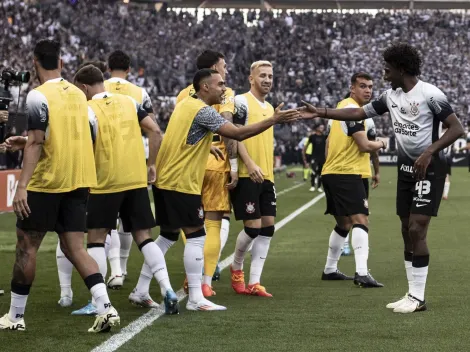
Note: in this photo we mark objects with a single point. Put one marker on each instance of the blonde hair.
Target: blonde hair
(260, 63)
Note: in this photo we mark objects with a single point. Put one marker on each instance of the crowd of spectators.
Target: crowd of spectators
(314, 53)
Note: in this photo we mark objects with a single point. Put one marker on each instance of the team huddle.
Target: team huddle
(84, 171)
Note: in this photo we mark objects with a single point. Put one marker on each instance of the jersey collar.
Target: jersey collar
(55, 80)
(117, 79)
(101, 95)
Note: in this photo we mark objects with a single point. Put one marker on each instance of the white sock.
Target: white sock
(446, 189)
(409, 272)
(360, 243)
(418, 285)
(155, 260)
(224, 231)
(100, 296)
(164, 244)
(207, 280)
(243, 243)
(334, 252)
(98, 254)
(143, 284)
(346, 240)
(193, 264)
(17, 307)
(64, 269)
(259, 253)
(114, 255)
(126, 245)
(107, 244)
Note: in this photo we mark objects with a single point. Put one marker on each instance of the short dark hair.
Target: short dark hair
(47, 53)
(97, 63)
(201, 75)
(89, 75)
(404, 57)
(361, 74)
(208, 58)
(119, 60)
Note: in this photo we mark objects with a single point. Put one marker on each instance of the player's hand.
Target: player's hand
(285, 116)
(15, 143)
(151, 174)
(233, 180)
(217, 153)
(20, 203)
(255, 172)
(3, 116)
(3, 148)
(375, 181)
(308, 111)
(421, 165)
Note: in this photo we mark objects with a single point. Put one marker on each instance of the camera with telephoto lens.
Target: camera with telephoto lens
(11, 77)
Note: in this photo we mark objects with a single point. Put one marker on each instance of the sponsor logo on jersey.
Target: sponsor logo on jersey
(403, 111)
(406, 168)
(414, 110)
(406, 129)
(250, 208)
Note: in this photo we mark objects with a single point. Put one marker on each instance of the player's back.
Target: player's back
(124, 87)
(119, 152)
(66, 162)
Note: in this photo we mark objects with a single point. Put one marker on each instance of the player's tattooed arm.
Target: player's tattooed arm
(230, 144)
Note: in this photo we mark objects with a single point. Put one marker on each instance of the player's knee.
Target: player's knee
(144, 243)
(196, 234)
(267, 231)
(252, 232)
(417, 230)
(170, 235)
(359, 219)
(342, 230)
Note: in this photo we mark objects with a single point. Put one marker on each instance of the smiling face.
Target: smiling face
(393, 75)
(261, 79)
(214, 86)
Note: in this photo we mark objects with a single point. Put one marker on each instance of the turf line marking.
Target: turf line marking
(134, 328)
(280, 193)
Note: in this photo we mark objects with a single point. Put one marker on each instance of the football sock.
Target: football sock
(155, 260)
(193, 263)
(360, 243)
(126, 245)
(337, 240)
(306, 172)
(96, 251)
(64, 269)
(95, 284)
(346, 240)
(19, 297)
(259, 252)
(211, 246)
(244, 240)
(420, 274)
(115, 254)
(446, 189)
(409, 267)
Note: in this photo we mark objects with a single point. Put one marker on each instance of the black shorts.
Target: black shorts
(253, 200)
(132, 206)
(449, 166)
(175, 209)
(345, 195)
(59, 212)
(423, 197)
(317, 165)
(366, 186)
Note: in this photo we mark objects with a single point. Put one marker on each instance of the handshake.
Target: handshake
(306, 112)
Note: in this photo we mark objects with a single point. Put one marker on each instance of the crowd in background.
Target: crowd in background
(314, 54)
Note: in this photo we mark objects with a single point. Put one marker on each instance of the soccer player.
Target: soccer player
(186, 146)
(52, 190)
(254, 199)
(317, 143)
(307, 154)
(119, 64)
(417, 110)
(448, 156)
(347, 163)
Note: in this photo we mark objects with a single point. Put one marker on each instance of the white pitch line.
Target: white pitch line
(280, 193)
(134, 328)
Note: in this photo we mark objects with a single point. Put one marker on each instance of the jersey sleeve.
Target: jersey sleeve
(240, 116)
(147, 102)
(209, 119)
(228, 104)
(354, 126)
(93, 124)
(377, 107)
(438, 103)
(37, 110)
(370, 130)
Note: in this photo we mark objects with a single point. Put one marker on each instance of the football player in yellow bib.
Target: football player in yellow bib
(119, 64)
(221, 176)
(254, 199)
(52, 191)
(181, 165)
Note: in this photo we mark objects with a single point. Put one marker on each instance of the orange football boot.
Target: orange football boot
(238, 281)
(207, 290)
(257, 290)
